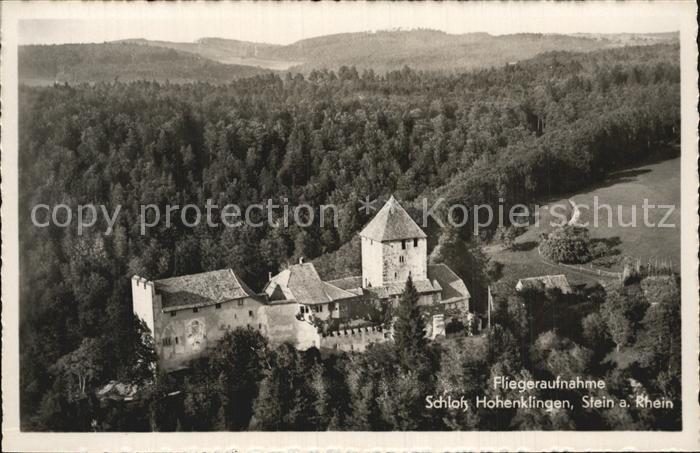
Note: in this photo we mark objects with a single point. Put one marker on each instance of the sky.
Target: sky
(284, 23)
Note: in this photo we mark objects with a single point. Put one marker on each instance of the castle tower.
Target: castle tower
(145, 300)
(393, 247)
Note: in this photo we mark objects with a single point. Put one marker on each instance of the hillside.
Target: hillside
(391, 50)
(219, 60)
(227, 51)
(76, 63)
(560, 123)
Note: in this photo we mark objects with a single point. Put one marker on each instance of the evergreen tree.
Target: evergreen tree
(285, 400)
(409, 330)
(239, 359)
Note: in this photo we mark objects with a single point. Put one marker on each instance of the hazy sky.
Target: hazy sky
(288, 22)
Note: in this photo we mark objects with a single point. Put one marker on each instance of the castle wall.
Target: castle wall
(372, 271)
(429, 299)
(398, 262)
(144, 300)
(424, 300)
(281, 325)
(323, 311)
(187, 335)
(356, 339)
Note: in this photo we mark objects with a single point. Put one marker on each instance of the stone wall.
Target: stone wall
(356, 339)
(145, 300)
(371, 263)
(414, 260)
(188, 334)
(281, 325)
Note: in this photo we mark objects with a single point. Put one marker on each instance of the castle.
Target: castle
(189, 314)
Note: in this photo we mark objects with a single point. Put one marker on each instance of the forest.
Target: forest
(517, 133)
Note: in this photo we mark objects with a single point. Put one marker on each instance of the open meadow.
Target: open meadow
(624, 191)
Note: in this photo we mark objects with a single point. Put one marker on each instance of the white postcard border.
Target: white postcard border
(15, 440)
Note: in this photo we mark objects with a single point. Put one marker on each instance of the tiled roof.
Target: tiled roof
(546, 281)
(392, 223)
(197, 290)
(347, 283)
(395, 289)
(301, 282)
(452, 286)
(118, 391)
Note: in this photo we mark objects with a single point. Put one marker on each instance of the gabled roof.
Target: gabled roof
(302, 283)
(352, 284)
(452, 286)
(198, 290)
(397, 288)
(392, 223)
(547, 282)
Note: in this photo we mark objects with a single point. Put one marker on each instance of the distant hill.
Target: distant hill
(76, 63)
(228, 51)
(419, 49)
(219, 60)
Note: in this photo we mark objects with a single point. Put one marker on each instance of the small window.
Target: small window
(401, 259)
(240, 302)
(395, 275)
(415, 242)
(403, 244)
(260, 326)
(172, 313)
(250, 313)
(166, 341)
(176, 340)
(217, 305)
(195, 310)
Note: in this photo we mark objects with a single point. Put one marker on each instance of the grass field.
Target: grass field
(625, 192)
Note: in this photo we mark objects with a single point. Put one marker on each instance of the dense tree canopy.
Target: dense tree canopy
(543, 126)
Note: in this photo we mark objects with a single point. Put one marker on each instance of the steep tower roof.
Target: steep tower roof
(392, 223)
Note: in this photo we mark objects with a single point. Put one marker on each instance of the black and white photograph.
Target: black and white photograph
(346, 217)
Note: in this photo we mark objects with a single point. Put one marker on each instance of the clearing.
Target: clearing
(625, 192)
